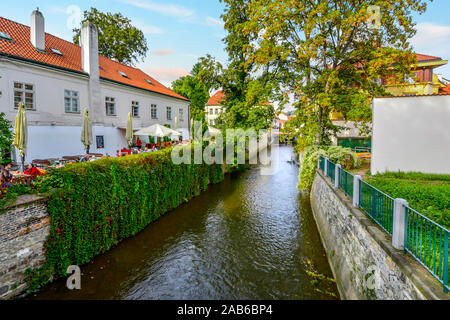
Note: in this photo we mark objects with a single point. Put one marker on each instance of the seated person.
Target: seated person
(85, 158)
(32, 170)
(6, 177)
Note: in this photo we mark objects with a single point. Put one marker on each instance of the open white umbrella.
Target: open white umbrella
(21, 132)
(86, 131)
(157, 130)
(129, 131)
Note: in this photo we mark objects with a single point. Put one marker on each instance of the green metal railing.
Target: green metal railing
(378, 206)
(346, 182)
(322, 164)
(427, 242)
(331, 170)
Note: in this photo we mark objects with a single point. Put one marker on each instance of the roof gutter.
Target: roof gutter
(42, 64)
(139, 88)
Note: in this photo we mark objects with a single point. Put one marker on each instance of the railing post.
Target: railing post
(445, 261)
(337, 169)
(326, 167)
(356, 188)
(398, 225)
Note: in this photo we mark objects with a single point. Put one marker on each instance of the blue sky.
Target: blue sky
(180, 31)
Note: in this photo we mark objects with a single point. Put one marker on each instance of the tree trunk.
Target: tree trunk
(319, 128)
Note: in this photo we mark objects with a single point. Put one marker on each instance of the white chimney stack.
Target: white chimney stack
(89, 48)
(37, 30)
(90, 65)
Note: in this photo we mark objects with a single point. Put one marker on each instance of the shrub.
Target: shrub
(311, 155)
(429, 194)
(94, 205)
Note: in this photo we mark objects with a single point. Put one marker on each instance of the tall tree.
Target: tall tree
(329, 55)
(117, 37)
(193, 89)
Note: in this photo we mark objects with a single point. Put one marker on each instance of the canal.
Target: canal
(252, 236)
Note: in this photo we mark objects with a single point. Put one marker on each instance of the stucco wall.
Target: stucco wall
(364, 263)
(411, 134)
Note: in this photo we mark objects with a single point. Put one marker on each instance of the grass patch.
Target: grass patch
(429, 194)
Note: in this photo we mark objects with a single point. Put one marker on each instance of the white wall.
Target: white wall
(55, 141)
(411, 134)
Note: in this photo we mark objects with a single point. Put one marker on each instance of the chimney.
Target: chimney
(90, 65)
(37, 30)
(89, 48)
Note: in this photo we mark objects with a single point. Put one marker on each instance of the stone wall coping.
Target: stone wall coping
(26, 199)
(421, 278)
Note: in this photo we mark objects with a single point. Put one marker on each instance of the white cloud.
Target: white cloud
(147, 29)
(429, 34)
(166, 75)
(433, 39)
(165, 9)
(163, 52)
(213, 22)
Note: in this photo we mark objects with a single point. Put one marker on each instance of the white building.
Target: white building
(214, 107)
(57, 79)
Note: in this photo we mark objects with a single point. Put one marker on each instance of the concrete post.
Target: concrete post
(336, 175)
(326, 167)
(398, 226)
(356, 195)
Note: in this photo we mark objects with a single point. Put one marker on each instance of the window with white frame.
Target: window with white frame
(169, 113)
(211, 111)
(71, 101)
(153, 112)
(217, 111)
(24, 92)
(110, 104)
(135, 108)
(181, 114)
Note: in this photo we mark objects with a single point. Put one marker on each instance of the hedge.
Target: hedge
(94, 205)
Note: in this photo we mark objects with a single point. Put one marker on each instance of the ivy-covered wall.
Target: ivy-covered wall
(95, 205)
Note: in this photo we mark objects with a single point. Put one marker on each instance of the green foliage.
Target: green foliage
(94, 205)
(117, 37)
(429, 194)
(326, 53)
(6, 138)
(311, 155)
(193, 89)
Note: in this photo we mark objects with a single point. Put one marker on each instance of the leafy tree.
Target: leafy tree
(193, 89)
(245, 92)
(117, 37)
(6, 139)
(327, 54)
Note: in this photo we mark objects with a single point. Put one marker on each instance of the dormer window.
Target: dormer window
(148, 81)
(56, 51)
(4, 36)
(122, 74)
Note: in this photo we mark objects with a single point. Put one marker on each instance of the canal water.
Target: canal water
(252, 236)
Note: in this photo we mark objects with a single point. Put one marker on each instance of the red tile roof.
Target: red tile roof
(21, 47)
(424, 57)
(216, 99)
(445, 90)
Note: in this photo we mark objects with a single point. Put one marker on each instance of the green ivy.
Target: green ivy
(311, 155)
(94, 205)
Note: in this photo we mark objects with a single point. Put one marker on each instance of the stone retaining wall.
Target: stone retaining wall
(362, 258)
(23, 230)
